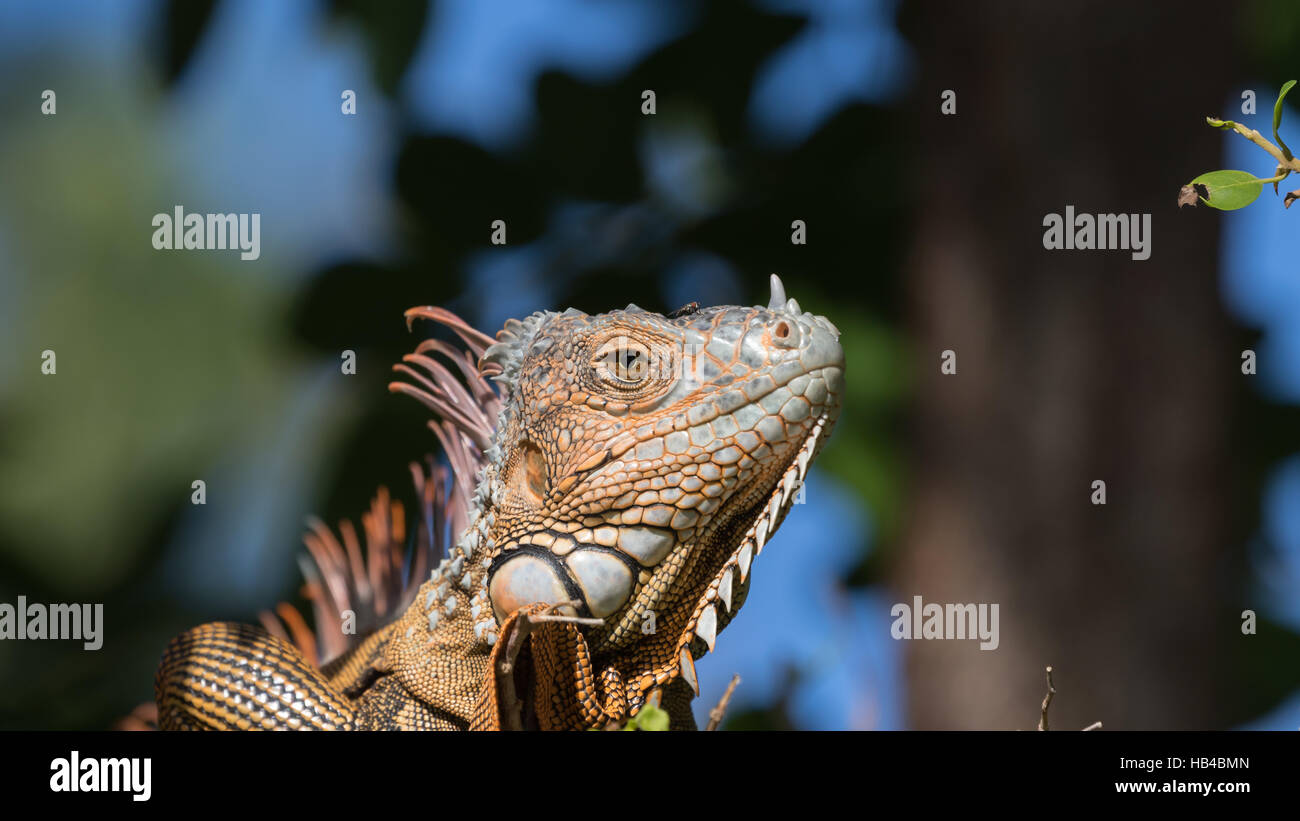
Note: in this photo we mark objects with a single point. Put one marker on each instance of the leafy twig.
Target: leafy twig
(1229, 190)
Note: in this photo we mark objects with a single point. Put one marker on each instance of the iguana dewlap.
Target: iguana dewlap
(636, 466)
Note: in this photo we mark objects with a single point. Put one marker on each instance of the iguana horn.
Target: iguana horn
(777, 302)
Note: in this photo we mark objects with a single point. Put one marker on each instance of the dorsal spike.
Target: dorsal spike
(512, 344)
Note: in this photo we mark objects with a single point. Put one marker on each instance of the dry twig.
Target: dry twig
(1047, 702)
(717, 713)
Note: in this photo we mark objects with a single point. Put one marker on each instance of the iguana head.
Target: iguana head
(638, 464)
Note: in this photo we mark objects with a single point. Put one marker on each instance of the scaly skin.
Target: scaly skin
(638, 465)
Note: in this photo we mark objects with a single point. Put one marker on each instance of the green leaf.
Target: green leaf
(1228, 190)
(653, 719)
(1277, 117)
(650, 718)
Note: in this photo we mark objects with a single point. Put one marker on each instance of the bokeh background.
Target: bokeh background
(924, 234)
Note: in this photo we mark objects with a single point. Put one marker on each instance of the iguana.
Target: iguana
(629, 467)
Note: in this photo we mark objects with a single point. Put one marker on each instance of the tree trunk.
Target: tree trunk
(1072, 366)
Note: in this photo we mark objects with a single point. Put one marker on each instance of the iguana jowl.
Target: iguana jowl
(636, 466)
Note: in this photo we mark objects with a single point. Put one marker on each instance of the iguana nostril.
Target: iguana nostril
(785, 334)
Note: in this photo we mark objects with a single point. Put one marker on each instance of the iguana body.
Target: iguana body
(636, 465)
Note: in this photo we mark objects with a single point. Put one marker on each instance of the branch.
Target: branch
(716, 714)
(1047, 702)
(1260, 140)
(540, 618)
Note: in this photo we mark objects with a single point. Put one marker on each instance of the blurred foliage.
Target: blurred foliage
(391, 30)
(1269, 663)
(1269, 42)
(1270, 38)
(166, 362)
(773, 716)
(160, 355)
(183, 24)
(1270, 660)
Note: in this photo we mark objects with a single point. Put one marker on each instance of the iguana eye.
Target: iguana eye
(622, 363)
